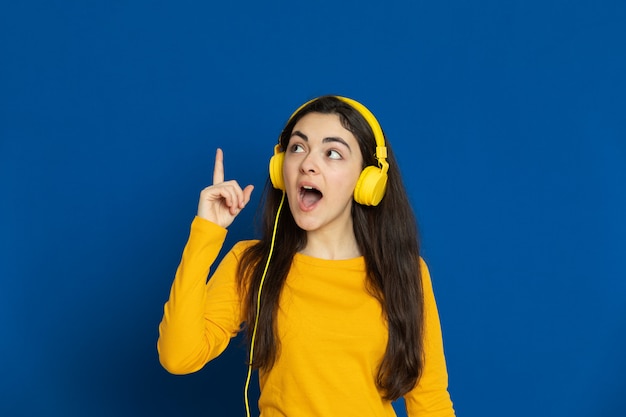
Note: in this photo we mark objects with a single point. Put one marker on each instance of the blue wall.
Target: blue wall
(509, 119)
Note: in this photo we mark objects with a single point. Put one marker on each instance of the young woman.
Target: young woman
(337, 304)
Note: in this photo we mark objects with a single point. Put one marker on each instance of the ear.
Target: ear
(371, 186)
(276, 168)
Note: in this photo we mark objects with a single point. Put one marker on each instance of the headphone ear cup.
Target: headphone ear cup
(370, 187)
(276, 170)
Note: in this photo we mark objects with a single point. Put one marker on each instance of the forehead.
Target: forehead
(321, 125)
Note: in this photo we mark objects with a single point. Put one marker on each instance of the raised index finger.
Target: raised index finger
(218, 169)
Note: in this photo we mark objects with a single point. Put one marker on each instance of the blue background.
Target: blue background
(509, 119)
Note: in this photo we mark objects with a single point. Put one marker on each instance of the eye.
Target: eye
(296, 148)
(333, 154)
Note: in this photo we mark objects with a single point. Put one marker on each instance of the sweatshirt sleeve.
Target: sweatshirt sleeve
(430, 397)
(200, 318)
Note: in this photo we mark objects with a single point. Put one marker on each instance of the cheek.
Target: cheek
(287, 169)
(355, 174)
(347, 181)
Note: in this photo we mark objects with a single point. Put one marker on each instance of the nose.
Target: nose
(309, 164)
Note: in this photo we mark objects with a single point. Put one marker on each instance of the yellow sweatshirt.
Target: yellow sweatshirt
(332, 331)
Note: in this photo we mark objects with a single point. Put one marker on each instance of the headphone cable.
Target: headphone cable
(258, 305)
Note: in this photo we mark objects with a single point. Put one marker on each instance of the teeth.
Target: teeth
(306, 187)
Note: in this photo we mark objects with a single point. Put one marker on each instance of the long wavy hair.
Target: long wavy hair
(387, 237)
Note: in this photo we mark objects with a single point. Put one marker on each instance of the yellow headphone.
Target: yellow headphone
(372, 183)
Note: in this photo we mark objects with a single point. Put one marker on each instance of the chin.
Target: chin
(307, 226)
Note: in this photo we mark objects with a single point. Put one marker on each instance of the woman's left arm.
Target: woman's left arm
(430, 396)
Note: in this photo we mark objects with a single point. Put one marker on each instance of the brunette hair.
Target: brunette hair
(388, 239)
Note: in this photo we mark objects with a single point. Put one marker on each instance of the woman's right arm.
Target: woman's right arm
(199, 318)
(187, 341)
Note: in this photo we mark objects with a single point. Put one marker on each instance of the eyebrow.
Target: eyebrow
(329, 139)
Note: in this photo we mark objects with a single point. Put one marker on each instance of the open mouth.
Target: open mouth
(310, 196)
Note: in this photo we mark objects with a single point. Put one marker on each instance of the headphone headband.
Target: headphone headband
(379, 137)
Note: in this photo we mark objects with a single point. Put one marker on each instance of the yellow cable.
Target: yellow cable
(258, 306)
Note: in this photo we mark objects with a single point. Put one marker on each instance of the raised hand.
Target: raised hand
(221, 202)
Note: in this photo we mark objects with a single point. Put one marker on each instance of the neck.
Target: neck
(331, 246)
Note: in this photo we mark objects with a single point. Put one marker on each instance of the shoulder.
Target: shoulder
(423, 264)
(425, 273)
(240, 247)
